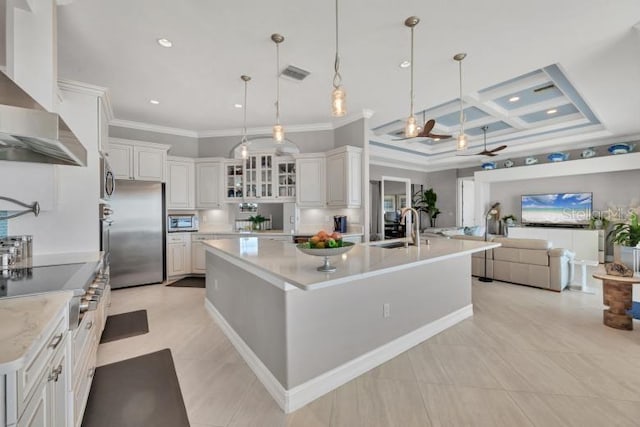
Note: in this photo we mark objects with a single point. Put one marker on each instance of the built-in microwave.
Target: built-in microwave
(107, 180)
(182, 222)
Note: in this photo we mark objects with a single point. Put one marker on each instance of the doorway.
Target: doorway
(465, 210)
(396, 195)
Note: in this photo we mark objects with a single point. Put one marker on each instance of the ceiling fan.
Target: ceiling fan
(425, 132)
(491, 153)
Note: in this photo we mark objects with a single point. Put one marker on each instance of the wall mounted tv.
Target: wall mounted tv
(557, 209)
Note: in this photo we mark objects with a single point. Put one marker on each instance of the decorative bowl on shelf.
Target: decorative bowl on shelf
(326, 253)
(508, 163)
(558, 157)
(621, 148)
(588, 153)
(530, 160)
(489, 165)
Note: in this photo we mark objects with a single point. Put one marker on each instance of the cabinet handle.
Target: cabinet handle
(89, 325)
(56, 341)
(55, 374)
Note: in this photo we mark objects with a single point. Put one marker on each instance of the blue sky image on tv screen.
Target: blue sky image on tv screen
(558, 208)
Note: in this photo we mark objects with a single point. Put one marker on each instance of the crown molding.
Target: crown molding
(81, 87)
(152, 128)
(266, 130)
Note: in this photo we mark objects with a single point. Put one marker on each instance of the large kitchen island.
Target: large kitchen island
(305, 332)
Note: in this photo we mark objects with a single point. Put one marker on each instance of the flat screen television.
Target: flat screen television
(559, 209)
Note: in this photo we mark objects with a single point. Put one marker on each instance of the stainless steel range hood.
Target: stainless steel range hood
(29, 133)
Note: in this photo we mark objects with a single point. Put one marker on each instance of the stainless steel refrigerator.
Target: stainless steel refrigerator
(137, 239)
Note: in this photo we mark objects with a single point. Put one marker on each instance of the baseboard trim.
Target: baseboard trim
(297, 397)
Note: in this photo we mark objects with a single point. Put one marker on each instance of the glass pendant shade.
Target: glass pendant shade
(338, 102)
(278, 133)
(244, 152)
(462, 142)
(411, 128)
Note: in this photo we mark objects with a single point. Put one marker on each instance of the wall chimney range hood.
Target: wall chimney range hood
(30, 133)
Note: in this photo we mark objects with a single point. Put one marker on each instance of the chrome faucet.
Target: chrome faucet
(415, 222)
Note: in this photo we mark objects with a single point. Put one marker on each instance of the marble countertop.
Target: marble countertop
(25, 322)
(266, 233)
(283, 261)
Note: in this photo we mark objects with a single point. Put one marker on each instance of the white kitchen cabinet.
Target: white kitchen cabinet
(134, 160)
(258, 176)
(234, 180)
(198, 258)
(286, 179)
(181, 189)
(178, 254)
(344, 177)
(310, 181)
(208, 184)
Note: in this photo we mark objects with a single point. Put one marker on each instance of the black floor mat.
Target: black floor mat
(125, 325)
(189, 282)
(138, 392)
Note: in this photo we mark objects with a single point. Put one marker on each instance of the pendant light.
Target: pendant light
(278, 130)
(462, 142)
(244, 152)
(411, 126)
(338, 95)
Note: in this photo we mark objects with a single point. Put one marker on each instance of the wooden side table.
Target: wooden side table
(616, 293)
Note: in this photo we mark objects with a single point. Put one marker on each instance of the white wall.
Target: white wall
(73, 225)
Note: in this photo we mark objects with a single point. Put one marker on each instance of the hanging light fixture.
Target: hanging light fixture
(462, 142)
(338, 95)
(244, 151)
(411, 126)
(278, 130)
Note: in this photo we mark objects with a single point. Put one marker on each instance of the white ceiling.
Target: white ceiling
(112, 44)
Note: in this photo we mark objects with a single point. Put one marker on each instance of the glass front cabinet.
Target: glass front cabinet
(286, 168)
(261, 176)
(234, 183)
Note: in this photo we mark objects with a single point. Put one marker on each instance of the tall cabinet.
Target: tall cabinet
(181, 188)
(344, 177)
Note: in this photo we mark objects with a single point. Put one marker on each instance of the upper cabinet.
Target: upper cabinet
(286, 178)
(208, 183)
(234, 180)
(344, 177)
(181, 188)
(310, 181)
(258, 176)
(138, 161)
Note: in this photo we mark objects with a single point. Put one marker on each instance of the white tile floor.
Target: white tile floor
(528, 357)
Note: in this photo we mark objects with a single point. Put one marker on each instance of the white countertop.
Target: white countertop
(24, 322)
(266, 233)
(284, 261)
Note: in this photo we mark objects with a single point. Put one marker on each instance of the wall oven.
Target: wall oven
(180, 223)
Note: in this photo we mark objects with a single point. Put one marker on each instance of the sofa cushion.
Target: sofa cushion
(523, 256)
(523, 243)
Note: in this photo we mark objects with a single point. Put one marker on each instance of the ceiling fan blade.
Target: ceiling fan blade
(435, 135)
(428, 127)
(500, 148)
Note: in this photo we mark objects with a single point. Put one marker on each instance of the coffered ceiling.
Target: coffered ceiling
(588, 49)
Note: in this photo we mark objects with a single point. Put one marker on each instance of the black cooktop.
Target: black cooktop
(37, 280)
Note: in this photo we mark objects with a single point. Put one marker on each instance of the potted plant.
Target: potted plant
(257, 221)
(509, 219)
(625, 236)
(426, 202)
(598, 222)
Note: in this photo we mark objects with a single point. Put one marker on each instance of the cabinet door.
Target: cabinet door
(37, 412)
(337, 180)
(58, 386)
(199, 263)
(148, 164)
(177, 259)
(310, 182)
(121, 161)
(180, 186)
(208, 182)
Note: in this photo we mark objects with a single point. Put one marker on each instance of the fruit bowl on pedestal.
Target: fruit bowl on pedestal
(326, 253)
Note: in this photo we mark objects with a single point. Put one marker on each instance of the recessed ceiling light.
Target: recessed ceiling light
(514, 99)
(154, 101)
(552, 111)
(237, 105)
(165, 42)
(436, 139)
(405, 64)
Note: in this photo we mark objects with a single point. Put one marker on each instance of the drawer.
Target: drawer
(34, 368)
(201, 237)
(177, 238)
(82, 386)
(87, 355)
(81, 336)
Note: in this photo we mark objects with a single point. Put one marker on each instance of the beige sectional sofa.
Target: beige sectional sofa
(531, 262)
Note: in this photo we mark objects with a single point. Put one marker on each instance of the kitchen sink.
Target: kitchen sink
(394, 245)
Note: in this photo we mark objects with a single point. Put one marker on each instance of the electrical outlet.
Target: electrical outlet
(386, 310)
